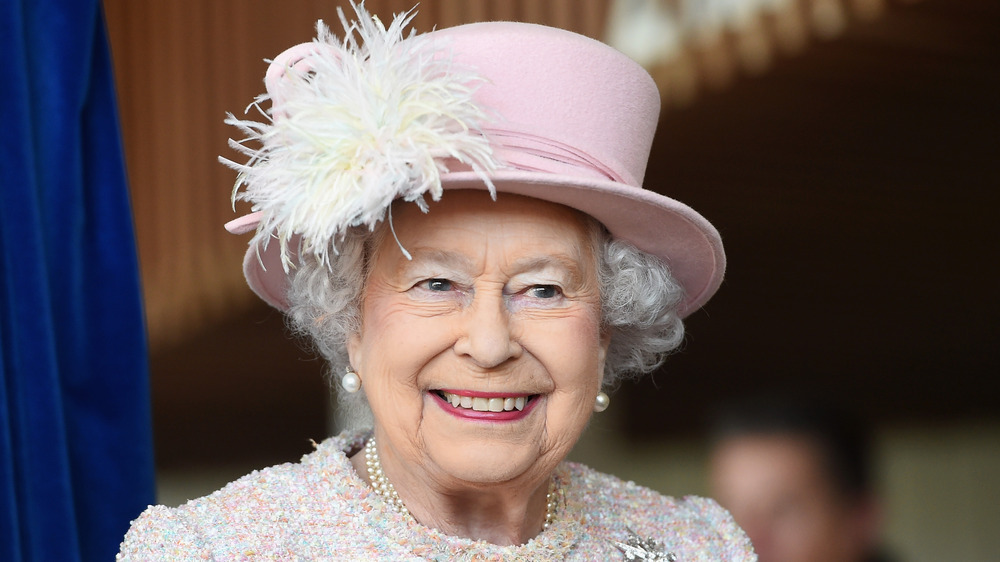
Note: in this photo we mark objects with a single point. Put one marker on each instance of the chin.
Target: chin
(490, 464)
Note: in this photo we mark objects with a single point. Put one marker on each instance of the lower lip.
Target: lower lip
(470, 414)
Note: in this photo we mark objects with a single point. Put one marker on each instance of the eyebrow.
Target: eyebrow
(560, 261)
(439, 257)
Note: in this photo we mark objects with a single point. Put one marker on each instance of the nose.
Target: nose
(486, 336)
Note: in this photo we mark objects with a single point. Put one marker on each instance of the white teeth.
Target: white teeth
(480, 404)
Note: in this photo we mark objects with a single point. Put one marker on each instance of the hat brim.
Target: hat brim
(654, 223)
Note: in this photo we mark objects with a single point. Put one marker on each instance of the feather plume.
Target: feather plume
(355, 125)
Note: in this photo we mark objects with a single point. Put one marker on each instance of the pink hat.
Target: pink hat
(567, 119)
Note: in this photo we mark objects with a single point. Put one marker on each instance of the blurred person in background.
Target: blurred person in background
(797, 476)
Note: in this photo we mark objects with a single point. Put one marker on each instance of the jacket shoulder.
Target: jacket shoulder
(621, 513)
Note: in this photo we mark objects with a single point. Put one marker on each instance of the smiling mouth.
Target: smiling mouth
(486, 404)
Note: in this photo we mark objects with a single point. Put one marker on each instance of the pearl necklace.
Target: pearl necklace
(381, 484)
(385, 488)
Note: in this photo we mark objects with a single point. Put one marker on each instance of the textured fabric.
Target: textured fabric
(319, 509)
(75, 439)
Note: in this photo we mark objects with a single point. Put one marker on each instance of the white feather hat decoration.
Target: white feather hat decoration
(354, 125)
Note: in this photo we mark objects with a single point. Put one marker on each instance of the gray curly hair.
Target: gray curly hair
(639, 308)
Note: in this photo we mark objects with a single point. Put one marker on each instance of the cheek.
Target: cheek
(571, 350)
(584, 333)
(396, 343)
(572, 357)
(385, 322)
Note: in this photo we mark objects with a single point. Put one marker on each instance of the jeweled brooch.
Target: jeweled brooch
(638, 548)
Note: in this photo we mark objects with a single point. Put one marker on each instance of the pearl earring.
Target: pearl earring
(602, 402)
(350, 381)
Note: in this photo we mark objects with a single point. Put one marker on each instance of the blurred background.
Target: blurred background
(847, 150)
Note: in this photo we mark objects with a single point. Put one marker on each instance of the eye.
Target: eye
(544, 291)
(438, 284)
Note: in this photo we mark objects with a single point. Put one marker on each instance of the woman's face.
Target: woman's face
(499, 309)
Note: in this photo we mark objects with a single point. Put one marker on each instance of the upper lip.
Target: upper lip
(485, 394)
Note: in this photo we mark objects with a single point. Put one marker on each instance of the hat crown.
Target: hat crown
(560, 101)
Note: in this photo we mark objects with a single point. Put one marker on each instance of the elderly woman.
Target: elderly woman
(456, 220)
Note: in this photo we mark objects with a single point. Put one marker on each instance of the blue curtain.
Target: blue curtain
(75, 432)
